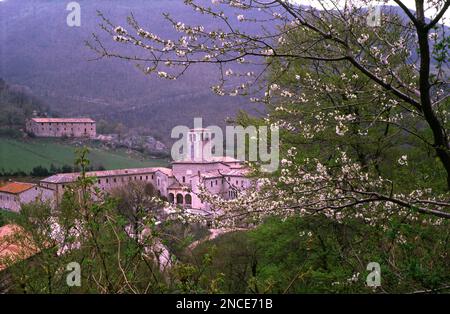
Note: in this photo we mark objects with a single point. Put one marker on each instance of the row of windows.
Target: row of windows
(66, 123)
(9, 198)
(237, 181)
(57, 129)
(136, 178)
(115, 180)
(228, 179)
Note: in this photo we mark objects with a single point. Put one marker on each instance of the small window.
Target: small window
(115, 180)
(99, 181)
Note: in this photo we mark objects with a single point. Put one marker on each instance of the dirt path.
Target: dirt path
(214, 234)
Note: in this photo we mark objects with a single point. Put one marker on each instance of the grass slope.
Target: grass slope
(25, 155)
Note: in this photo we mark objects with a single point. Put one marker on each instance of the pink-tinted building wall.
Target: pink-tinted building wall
(62, 127)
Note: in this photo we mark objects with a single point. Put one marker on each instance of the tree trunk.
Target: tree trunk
(441, 143)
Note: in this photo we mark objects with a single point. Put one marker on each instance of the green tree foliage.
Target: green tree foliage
(16, 106)
(317, 255)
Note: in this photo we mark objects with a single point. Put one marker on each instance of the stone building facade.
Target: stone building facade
(62, 127)
(107, 180)
(224, 176)
(13, 195)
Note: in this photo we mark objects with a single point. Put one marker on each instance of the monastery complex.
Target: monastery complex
(224, 176)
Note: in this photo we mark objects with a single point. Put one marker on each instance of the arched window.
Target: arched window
(171, 198)
(179, 199)
(188, 199)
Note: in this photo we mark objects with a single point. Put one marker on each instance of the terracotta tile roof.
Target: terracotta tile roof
(63, 120)
(16, 187)
(14, 246)
(72, 177)
(167, 171)
(219, 173)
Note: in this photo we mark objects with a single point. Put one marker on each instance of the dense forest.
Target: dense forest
(17, 104)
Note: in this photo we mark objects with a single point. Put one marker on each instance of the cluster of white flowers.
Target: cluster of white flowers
(145, 34)
(363, 38)
(274, 87)
(169, 45)
(267, 52)
(180, 27)
(121, 39)
(341, 129)
(403, 160)
(218, 90)
(120, 30)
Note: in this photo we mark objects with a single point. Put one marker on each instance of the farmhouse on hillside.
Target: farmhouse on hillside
(62, 127)
(14, 194)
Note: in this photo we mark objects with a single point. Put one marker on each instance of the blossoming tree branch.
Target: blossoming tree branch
(353, 100)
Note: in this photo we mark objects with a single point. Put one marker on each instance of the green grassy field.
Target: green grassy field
(24, 155)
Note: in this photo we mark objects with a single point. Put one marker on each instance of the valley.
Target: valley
(22, 155)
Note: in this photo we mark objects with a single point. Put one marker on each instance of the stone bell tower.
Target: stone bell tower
(199, 145)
